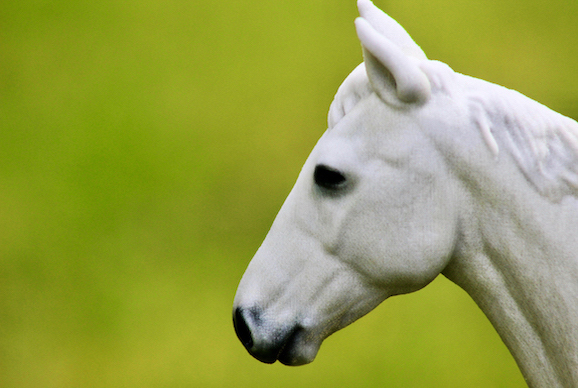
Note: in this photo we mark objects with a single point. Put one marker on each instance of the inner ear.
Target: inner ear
(385, 61)
(380, 78)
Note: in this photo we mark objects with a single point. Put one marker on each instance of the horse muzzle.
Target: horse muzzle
(268, 342)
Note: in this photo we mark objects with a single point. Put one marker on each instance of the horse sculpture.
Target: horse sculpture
(424, 171)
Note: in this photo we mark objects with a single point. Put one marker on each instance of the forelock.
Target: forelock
(355, 87)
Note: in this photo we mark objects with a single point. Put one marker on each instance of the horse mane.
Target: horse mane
(543, 143)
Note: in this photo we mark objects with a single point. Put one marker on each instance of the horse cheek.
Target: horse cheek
(401, 248)
(433, 238)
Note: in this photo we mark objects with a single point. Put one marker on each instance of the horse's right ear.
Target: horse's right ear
(389, 28)
(389, 68)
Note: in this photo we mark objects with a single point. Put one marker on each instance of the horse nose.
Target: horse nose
(262, 343)
(242, 329)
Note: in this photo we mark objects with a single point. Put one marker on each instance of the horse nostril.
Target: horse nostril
(242, 329)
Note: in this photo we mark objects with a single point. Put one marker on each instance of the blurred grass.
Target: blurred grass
(145, 148)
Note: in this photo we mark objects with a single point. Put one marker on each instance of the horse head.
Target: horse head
(369, 217)
(377, 207)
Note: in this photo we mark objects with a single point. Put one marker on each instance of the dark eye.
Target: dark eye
(328, 178)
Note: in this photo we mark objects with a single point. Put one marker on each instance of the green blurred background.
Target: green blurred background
(145, 148)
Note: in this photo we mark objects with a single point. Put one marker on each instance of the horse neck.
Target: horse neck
(517, 257)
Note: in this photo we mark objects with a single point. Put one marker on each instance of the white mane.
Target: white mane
(543, 143)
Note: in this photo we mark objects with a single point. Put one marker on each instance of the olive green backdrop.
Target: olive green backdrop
(145, 148)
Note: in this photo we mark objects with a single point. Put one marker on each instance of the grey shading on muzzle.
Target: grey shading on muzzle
(264, 351)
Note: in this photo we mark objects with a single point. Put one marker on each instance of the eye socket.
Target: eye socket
(328, 178)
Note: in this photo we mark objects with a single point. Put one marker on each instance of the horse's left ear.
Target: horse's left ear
(391, 65)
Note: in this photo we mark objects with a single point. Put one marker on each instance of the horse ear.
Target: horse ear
(389, 66)
(389, 28)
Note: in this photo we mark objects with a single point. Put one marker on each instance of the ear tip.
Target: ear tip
(359, 20)
(412, 84)
(365, 6)
(362, 26)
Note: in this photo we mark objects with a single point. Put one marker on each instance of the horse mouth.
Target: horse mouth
(291, 346)
(296, 350)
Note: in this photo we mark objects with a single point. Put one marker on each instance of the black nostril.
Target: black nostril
(242, 329)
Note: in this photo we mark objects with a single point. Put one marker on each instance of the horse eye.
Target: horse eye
(328, 178)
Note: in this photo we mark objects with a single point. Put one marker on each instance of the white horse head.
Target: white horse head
(387, 199)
